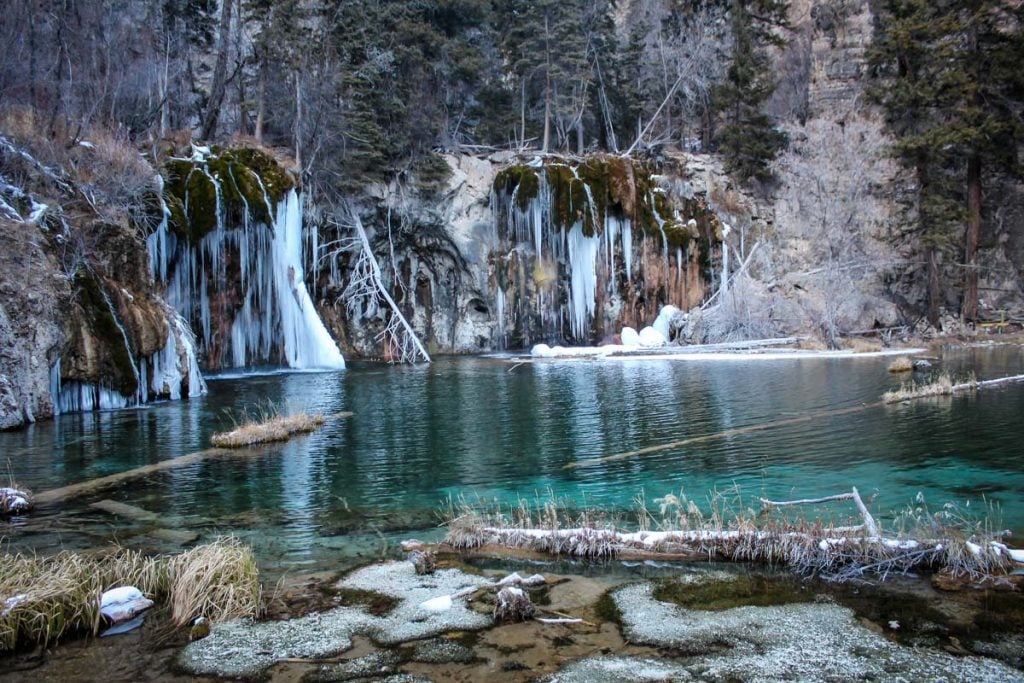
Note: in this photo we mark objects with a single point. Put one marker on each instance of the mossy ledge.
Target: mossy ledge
(624, 188)
(242, 174)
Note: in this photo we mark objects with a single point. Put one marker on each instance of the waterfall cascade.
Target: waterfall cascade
(237, 276)
(585, 248)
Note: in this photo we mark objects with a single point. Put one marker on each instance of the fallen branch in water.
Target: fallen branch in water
(963, 547)
(94, 485)
(869, 522)
(943, 385)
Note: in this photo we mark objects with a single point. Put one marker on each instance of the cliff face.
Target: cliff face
(517, 251)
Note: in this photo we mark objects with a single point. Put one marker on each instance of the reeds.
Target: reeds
(943, 385)
(270, 429)
(42, 599)
(901, 364)
(834, 545)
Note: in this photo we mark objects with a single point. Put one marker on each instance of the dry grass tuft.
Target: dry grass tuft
(42, 599)
(901, 364)
(219, 581)
(277, 428)
(940, 386)
(861, 345)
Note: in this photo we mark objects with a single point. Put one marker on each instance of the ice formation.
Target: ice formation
(275, 320)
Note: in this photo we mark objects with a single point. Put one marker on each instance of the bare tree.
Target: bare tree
(366, 290)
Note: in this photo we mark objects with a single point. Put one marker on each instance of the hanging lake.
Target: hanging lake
(495, 428)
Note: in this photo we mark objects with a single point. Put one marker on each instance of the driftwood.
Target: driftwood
(869, 522)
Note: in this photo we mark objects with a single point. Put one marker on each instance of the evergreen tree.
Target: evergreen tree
(951, 85)
(748, 138)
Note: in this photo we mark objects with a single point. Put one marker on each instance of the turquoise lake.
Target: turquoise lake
(497, 428)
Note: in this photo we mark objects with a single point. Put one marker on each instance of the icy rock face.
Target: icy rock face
(807, 642)
(244, 649)
(231, 262)
(663, 324)
(583, 248)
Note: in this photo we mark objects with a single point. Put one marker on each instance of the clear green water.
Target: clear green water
(491, 428)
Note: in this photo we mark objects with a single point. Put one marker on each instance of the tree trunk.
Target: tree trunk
(219, 72)
(969, 311)
(933, 287)
(547, 115)
(261, 102)
(298, 122)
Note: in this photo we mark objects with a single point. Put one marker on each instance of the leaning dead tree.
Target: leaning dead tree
(367, 291)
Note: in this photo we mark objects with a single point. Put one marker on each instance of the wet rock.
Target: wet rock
(615, 669)
(370, 666)
(246, 649)
(796, 641)
(14, 501)
(442, 651)
(513, 604)
(123, 603)
(423, 561)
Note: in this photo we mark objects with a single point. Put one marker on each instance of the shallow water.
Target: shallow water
(496, 429)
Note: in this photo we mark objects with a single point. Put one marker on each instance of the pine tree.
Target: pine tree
(950, 82)
(748, 138)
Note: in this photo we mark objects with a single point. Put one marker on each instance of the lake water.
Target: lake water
(497, 429)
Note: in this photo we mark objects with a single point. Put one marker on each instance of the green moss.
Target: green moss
(200, 205)
(117, 369)
(751, 589)
(568, 198)
(178, 220)
(606, 610)
(276, 178)
(518, 176)
(192, 196)
(376, 604)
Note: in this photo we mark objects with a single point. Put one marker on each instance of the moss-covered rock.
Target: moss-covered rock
(246, 179)
(105, 356)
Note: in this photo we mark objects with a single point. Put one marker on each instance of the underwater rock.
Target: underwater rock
(801, 641)
(368, 666)
(123, 603)
(442, 651)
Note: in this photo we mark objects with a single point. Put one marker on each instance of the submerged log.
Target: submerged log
(100, 483)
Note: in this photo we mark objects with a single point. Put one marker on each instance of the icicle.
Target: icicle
(55, 387)
(583, 279)
(307, 343)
